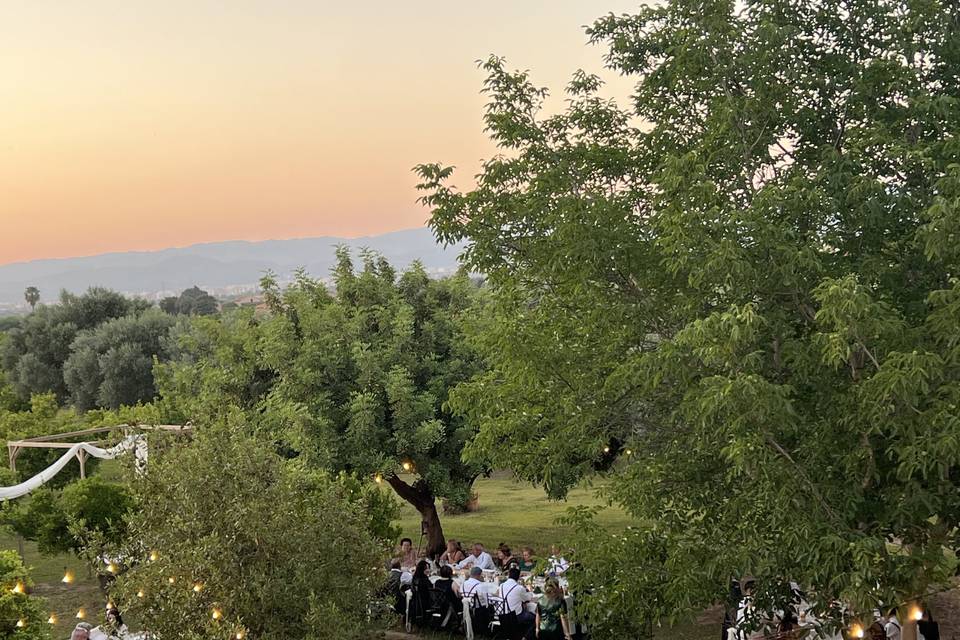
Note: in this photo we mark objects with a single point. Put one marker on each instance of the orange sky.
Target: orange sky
(141, 125)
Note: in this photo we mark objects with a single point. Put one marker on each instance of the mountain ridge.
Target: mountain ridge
(217, 266)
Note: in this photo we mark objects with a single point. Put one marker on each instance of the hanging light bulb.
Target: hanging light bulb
(67, 577)
(216, 614)
(140, 593)
(606, 449)
(21, 623)
(407, 466)
(197, 587)
(629, 452)
(153, 556)
(856, 630)
(81, 614)
(52, 619)
(171, 580)
(916, 613)
(18, 588)
(239, 635)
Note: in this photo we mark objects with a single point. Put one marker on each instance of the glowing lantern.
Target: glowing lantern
(407, 466)
(916, 613)
(140, 593)
(856, 630)
(81, 614)
(67, 577)
(378, 478)
(216, 614)
(21, 623)
(197, 587)
(18, 588)
(153, 556)
(171, 580)
(52, 619)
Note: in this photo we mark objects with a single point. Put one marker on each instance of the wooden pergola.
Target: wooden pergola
(14, 447)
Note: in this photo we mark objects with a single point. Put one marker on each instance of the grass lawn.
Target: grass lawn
(519, 514)
(63, 599)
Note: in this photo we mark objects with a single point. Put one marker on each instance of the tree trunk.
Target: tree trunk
(423, 500)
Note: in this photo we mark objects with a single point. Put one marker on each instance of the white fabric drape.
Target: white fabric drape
(136, 443)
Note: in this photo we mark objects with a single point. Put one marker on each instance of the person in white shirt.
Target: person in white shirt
(556, 563)
(892, 625)
(472, 586)
(479, 558)
(514, 596)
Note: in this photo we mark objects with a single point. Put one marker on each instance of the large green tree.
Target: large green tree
(355, 379)
(191, 302)
(36, 349)
(740, 294)
(112, 364)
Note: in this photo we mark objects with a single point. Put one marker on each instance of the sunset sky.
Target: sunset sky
(133, 124)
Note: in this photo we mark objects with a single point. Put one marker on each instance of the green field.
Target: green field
(519, 514)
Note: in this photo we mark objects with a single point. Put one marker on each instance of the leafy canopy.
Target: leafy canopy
(355, 379)
(748, 280)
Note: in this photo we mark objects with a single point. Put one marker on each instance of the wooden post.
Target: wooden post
(13, 451)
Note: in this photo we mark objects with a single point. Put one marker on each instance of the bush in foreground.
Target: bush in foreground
(233, 539)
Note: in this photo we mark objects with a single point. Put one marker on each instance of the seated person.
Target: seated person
(394, 579)
(446, 584)
(515, 596)
(113, 628)
(421, 590)
(479, 558)
(505, 558)
(472, 586)
(551, 621)
(528, 561)
(453, 554)
(81, 631)
(557, 564)
(408, 555)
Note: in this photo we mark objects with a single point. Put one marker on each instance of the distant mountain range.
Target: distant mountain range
(219, 267)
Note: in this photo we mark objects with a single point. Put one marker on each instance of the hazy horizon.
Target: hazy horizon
(135, 126)
(188, 245)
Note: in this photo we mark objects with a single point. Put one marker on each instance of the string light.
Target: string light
(171, 580)
(856, 630)
(606, 449)
(67, 577)
(197, 587)
(52, 619)
(916, 613)
(21, 623)
(407, 466)
(216, 614)
(153, 556)
(239, 635)
(81, 614)
(629, 452)
(18, 588)
(140, 593)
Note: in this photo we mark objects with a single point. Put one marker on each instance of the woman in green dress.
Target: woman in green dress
(552, 621)
(528, 562)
